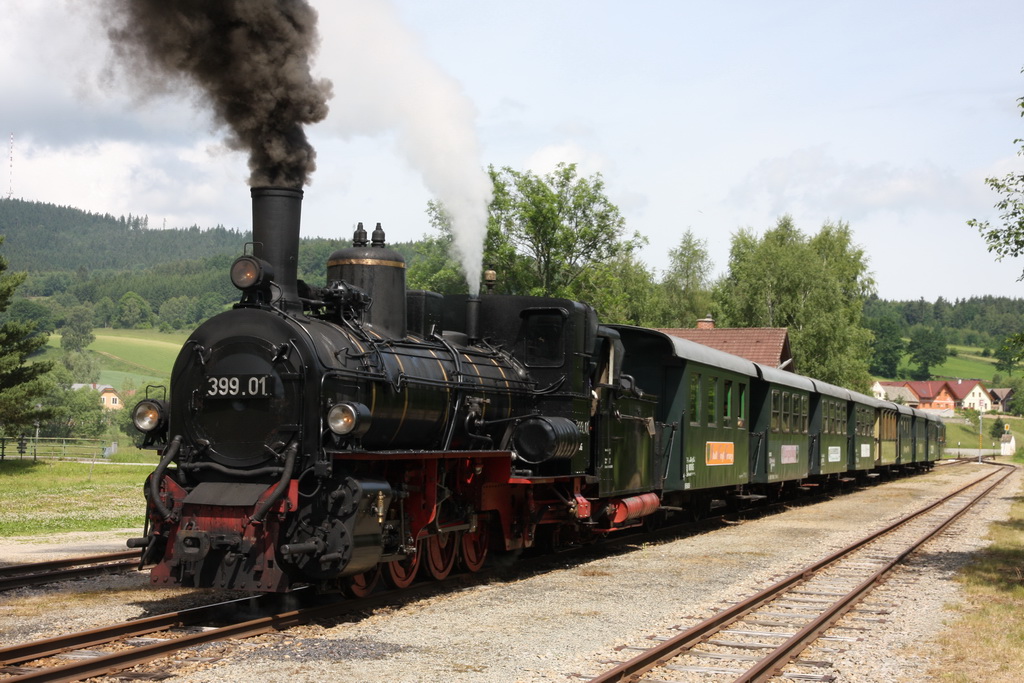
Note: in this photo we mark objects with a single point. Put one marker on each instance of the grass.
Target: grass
(54, 496)
(967, 435)
(986, 640)
(967, 364)
(140, 350)
(129, 357)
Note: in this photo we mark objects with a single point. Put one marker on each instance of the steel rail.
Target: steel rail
(65, 574)
(26, 568)
(36, 573)
(123, 659)
(632, 669)
(37, 649)
(771, 665)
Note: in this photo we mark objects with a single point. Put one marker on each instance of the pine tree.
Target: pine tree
(21, 385)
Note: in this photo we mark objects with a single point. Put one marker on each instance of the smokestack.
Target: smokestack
(473, 318)
(276, 220)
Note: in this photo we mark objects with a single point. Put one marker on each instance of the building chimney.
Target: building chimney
(707, 323)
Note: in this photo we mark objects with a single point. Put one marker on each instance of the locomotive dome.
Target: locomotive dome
(374, 268)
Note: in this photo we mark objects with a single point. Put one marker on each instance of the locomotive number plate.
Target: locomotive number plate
(238, 386)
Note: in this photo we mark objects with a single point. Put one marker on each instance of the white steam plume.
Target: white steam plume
(395, 87)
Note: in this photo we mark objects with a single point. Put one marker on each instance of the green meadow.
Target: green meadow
(130, 357)
(54, 496)
(967, 364)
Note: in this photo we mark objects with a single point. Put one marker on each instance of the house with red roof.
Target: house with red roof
(931, 395)
(765, 345)
(971, 393)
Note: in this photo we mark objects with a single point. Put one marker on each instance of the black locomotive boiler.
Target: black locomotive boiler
(329, 435)
(335, 435)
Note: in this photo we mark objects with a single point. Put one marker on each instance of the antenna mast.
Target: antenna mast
(10, 186)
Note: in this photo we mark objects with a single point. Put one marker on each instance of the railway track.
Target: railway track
(763, 636)
(110, 649)
(37, 573)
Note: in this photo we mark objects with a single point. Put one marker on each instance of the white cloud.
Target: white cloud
(546, 159)
(812, 180)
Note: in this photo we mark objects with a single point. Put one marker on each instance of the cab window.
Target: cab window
(543, 338)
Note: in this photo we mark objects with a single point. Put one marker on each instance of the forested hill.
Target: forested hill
(45, 237)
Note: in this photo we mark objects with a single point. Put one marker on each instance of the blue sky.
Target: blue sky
(703, 116)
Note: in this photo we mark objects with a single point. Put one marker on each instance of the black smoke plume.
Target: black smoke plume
(249, 59)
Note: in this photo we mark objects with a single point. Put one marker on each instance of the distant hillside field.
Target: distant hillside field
(147, 350)
(130, 357)
(968, 364)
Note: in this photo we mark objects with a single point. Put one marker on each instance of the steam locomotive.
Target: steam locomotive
(336, 435)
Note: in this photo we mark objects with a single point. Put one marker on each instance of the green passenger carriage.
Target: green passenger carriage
(905, 435)
(779, 440)
(704, 408)
(886, 434)
(829, 429)
(861, 429)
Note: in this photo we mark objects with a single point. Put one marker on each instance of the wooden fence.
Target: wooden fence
(30, 447)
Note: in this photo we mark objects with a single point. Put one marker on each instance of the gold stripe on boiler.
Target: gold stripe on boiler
(365, 262)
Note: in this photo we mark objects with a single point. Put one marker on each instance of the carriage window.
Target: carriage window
(710, 403)
(695, 398)
(787, 410)
(776, 410)
(727, 402)
(805, 413)
(742, 413)
(543, 333)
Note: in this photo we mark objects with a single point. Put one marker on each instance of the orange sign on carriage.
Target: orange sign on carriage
(719, 453)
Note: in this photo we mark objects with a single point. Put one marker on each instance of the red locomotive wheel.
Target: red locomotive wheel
(361, 585)
(474, 548)
(401, 573)
(442, 550)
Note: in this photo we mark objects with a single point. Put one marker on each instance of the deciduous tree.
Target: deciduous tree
(558, 225)
(133, 312)
(927, 348)
(77, 331)
(1007, 238)
(815, 287)
(687, 282)
(888, 346)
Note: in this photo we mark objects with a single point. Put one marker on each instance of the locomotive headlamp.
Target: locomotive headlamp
(248, 272)
(348, 419)
(149, 415)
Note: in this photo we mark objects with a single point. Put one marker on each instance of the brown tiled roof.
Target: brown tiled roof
(961, 388)
(1001, 393)
(765, 345)
(927, 391)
